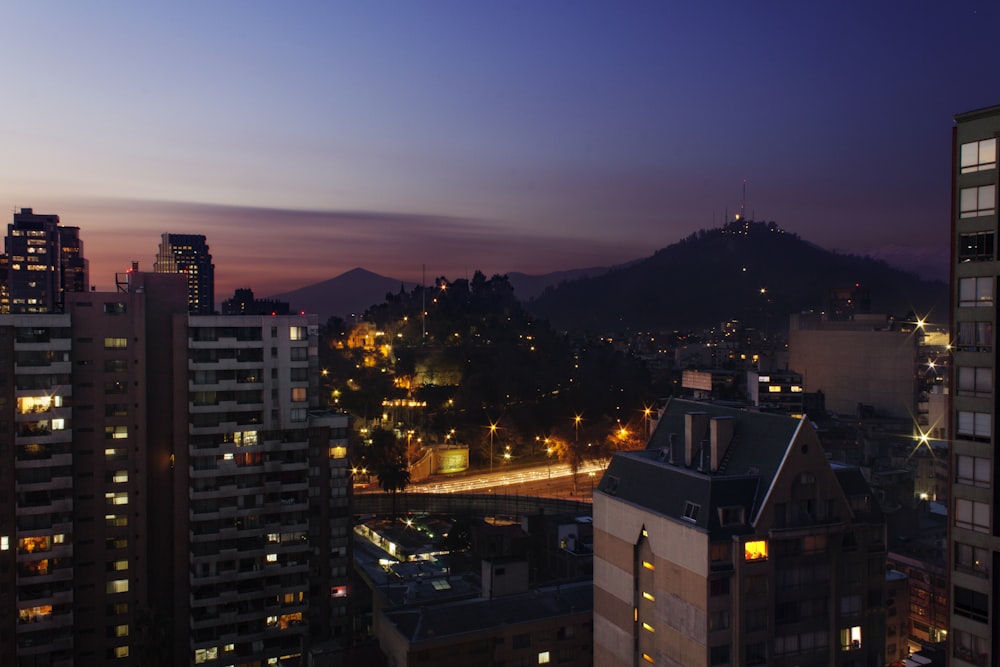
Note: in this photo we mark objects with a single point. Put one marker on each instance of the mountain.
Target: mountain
(527, 287)
(748, 271)
(352, 292)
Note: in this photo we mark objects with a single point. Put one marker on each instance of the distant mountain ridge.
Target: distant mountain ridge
(350, 293)
(749, 271)
(698, 282)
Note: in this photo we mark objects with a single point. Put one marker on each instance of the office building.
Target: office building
(43, 262)
(731, 540)
(188, 254)
(176, 496)
(974, 533)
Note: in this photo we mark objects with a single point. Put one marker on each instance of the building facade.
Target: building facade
(730, 540)
(188, 254)
(43, 262)
(974, 531)
(177, 495)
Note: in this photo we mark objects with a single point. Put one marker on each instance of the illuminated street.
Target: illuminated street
(541, 480)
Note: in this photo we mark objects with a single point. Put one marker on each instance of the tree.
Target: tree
(388, 461)
(393, 477)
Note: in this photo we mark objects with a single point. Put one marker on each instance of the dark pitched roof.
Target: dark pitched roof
(746, 471)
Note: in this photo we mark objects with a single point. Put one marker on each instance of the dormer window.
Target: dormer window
(691, 511)
(731, 516)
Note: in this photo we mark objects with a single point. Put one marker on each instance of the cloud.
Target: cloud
(273, 250)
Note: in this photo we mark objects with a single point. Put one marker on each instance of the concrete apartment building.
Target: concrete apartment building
(730, 540)
(868, 360)
(43, 262)
(174, 494)
(974, 533)
(188, 254)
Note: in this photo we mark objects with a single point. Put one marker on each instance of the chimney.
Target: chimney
(721, 429)
(705, 457)
(695, 425)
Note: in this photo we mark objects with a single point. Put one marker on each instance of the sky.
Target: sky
(439, 138)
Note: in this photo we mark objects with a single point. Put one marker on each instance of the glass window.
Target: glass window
(972, 515)
(850, 638)
(298, 394)
(975, 336)
(975, 247)
(979, 156)
(975, 425)
(973, 470)
(972, 604)
(976, 201)
(975, 291)
(755, 550)
(975, 381)
(115, 343)
(297, 333)
(973, 559)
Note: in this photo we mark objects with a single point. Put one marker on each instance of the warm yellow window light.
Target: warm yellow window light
(755, 550)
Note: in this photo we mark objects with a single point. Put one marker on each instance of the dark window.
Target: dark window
(972, 604)
(976, 247)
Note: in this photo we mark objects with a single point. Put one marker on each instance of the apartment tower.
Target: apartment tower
(44, 261)
(975, 526)
(174, 494)
(188, 254)
(731, 540)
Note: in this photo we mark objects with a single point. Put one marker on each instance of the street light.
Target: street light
(576, 427)
(592, 476)
(493, 429)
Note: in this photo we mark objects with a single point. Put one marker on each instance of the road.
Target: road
(539, 480)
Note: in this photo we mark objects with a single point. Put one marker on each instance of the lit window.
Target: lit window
(297, 333)
(117, 586)
(120, 476)
(338, 452)
(850, 638)
(796, 389)
(774, 389)
(119, 565)
(339, 591)
(755, 550)
(975, 291)
(119, 432)
(272, 558)
(649, 566)
(298, 394)
(5, 543)
(979, 156)
(975, 247)
(119, 498)
(115, 343)
(648, 658)
(121, 630)
(648, 596)
(543, 658)
(976, 201)
(647, 627)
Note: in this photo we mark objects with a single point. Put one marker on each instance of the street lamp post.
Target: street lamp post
(493, 429)
(576, 428)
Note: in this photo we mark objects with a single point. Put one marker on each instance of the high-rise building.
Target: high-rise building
(974, 527)
(44, 261)
(175, 494)
(188, 254)
(731, 540)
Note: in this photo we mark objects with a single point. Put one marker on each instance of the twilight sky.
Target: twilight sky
(308, 138)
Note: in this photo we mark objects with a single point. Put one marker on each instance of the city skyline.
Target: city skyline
(514, 137)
